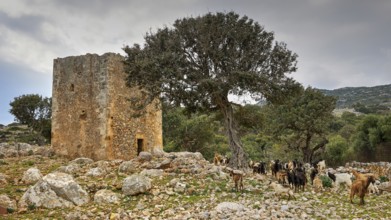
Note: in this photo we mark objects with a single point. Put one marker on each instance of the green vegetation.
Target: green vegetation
(326, 181)
(199, 62)
(34, 111)
(363, 99)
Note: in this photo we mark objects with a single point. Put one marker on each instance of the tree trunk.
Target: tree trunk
(239, 157)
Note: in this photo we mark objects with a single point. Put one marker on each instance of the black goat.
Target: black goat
(332, 176)
(300, 179)
(276, 167)
(314, 171)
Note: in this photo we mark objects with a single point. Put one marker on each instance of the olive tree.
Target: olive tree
(199, 61)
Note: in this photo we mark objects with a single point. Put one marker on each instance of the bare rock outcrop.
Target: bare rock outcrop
(54, 190)
(136, 184)
(32, 175)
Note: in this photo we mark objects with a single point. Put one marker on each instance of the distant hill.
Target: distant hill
(348, 96)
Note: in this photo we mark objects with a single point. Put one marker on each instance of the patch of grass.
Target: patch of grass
(31, 206)
(383, 179)
(28, 163)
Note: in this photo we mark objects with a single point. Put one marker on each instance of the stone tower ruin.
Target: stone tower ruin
(91, 112)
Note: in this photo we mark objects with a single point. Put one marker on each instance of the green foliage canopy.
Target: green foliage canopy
(303, 121)
(202, 60)
(35, 111)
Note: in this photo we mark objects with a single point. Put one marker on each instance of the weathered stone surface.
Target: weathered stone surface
(16, 149)
(72, 168)
(55, 190)
(32, 175)
(229, 206)
(3, 179)
(82, 161)
(92, 115)
(152, 172)
(128, 167)
(96, 172)
(106, 196)
(6, 202)
(136, 184)
(145, 156)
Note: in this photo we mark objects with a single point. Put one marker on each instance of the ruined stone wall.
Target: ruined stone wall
(92, 115)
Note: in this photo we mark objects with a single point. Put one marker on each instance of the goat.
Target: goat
(281, 177)
(314, 171)
(275, 167)
(319, 164)
(300, 179)
(259, 168)
(280, 190)
(291, 178)
(341, 178)
(218, 158)
(237, 177)
(358, 175)
(318, 184)
(360, 187)
(372, 188)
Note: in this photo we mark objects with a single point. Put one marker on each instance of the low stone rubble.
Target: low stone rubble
(164, 185)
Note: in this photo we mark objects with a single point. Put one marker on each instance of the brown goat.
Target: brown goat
(218, 159)
(359, 187)
(363, 176)
(281, 177)
(237, 177)
(318, 184)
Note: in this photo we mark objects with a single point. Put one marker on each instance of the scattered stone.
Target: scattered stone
(6, 202)
(106, 196)
(55, 190)
(136, 184)
(82, 161)
(128, 167)
(32, 175)
(144, 156)
(152, 172)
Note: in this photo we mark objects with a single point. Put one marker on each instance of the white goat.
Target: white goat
(280, 190)
(372, 188)
(321, 166)
(341, 178)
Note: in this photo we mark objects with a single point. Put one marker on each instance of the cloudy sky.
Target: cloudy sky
(340, 43)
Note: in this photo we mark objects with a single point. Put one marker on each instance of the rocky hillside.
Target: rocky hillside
(35, 184)
(348, 96)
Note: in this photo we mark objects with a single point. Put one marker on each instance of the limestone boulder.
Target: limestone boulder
(105, 196)
(55, 190)
(71, 168)
(136, 184)
(128, 167)
(152, 172)
(3, 179)
(6, 202)
(82, 161)
(31, 175)
(96, 172)
(144, 156)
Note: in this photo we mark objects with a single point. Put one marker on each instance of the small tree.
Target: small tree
(202, 60)
(34, 111)
(303, 121)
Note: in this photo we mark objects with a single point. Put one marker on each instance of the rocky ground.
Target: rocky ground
(35, 184)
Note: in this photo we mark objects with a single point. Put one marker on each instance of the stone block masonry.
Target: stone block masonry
(91, 111)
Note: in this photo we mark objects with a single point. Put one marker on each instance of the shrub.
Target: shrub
(384, 179)
(32, 206)
(326, 181)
